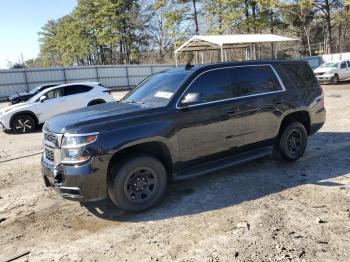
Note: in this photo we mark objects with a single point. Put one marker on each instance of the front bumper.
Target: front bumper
(325, 78)
(4, 122)
(82, 183)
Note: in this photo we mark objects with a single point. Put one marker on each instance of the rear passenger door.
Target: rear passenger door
(76, 96)
(259, 92)
(207, 124)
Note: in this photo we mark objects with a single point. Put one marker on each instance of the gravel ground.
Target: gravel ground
(266, 210)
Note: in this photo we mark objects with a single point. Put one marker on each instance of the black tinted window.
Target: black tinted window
(343, 65)
(300, 74)
(210, 86)
(348, 63)
(250, 80)
(73, 90)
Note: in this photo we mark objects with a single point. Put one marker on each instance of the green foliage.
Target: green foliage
(134, 31)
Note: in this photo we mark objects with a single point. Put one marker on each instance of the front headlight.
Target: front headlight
(73, 148)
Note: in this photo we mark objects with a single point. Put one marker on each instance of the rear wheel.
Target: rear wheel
(292, 142)
(23, 124)
(138, 183)
(335, 80)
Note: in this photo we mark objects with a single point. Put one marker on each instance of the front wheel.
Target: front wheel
(138, 183)
(23, 124)
(335, 80)
(292, 142)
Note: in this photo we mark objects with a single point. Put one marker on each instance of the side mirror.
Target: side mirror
(190, 98)
(42, 99)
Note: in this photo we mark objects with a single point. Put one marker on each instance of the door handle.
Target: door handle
(231, 112)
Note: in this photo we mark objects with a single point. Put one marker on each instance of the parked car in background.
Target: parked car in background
(333, 72)
(22, 97)
(179, 124)
(25, 117)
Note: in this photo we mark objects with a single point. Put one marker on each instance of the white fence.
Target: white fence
(316, 61)
(336, 57)
(112, 76)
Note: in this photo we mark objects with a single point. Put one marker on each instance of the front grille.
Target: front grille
(51, 144)
(319, 74)
(49, 155)
(51, 138)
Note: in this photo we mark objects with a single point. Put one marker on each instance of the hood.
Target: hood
(93, 118)
(324, 69)
(20, 95)
(19, 106)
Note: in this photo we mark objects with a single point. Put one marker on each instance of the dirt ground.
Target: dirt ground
(266, 210)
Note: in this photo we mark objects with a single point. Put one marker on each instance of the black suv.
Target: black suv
(179, 124)
(22, 97)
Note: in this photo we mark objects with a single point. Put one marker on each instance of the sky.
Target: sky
(20, 22)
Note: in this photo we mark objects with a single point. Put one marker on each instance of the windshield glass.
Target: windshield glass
(156, 90)
(38, 95)
(330, 64)
(33, 91)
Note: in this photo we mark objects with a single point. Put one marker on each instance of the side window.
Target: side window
(343, 65)
(210, 86)
(348, 64)
(55, 93)
(250, 80)
(76, 89)
(300, 74)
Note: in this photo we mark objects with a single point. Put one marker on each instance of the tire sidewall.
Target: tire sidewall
(121, 173)
(335, 80)
(27, 117)
(284, 139)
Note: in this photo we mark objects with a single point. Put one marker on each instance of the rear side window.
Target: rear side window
(73, 90)
(343, 65)
(348, 63)
(251, 80)
(300, 74)
(211, 86)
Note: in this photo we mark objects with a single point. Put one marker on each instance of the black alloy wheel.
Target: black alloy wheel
(137, 182)
(292, 141)
(141, 185)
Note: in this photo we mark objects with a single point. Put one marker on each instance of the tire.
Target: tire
(138, 183)
(97, 102)
(23, 124)
(335, 80)
(292, 141)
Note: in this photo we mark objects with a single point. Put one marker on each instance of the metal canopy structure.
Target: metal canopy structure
(221, 42)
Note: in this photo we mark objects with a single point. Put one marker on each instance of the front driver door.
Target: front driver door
(343, 71)
(208, 127)
(54, 104)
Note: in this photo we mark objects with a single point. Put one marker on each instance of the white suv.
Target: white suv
(25, 117)
(333, 72)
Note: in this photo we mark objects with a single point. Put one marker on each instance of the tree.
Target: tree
(300, 15)
(326, 8)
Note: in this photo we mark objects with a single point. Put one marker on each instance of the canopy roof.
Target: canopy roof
(217, 42)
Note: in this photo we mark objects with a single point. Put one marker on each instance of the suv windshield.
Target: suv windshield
(156, 90)
(330, 65)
